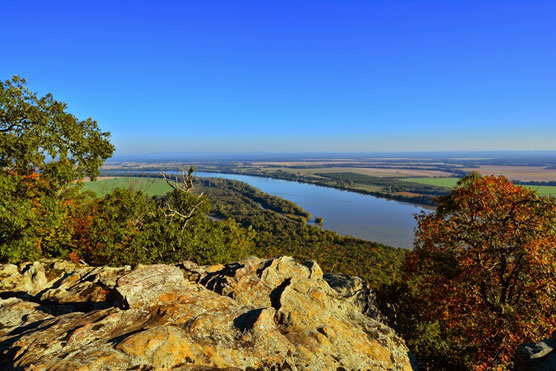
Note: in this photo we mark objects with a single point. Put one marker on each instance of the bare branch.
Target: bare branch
(183, 182)
(9, 128)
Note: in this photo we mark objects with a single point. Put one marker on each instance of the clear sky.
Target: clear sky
(294, 76)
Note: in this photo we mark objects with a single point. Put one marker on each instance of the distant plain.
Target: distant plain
(412, 179)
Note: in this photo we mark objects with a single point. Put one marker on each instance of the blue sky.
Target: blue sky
(294, 76)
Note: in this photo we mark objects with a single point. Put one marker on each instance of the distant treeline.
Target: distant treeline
(536, 183)
(389, 184)
(548, 162)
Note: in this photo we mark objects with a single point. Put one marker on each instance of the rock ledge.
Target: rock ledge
(254, 314)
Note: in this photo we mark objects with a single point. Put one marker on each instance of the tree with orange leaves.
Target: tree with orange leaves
(484, 270)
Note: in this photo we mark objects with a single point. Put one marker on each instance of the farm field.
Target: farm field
(440, 182)
(524, 173)
(151, 186)
(451, 182)
(379, 172)
(544, 190)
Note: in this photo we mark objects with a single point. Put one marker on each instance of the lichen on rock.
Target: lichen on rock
(253, 314)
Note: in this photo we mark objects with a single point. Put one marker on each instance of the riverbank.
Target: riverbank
(364, 216)
(402, 191)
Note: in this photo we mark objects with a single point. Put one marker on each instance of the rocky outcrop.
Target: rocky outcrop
(540, 356)
(254, 315)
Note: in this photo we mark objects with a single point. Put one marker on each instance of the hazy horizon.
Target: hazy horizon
(245, 155)
(316, 76)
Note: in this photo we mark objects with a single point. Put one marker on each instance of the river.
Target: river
(348, 213)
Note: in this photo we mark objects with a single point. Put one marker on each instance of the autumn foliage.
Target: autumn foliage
(483, 270)
(28, 229)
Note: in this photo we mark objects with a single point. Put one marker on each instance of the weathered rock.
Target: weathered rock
(145, 284)
(253, 314)
(356, 291)
(29, 279)
(17, 315)
(540, 356)
(9, 277)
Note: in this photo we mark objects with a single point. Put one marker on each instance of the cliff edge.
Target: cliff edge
(255, 314)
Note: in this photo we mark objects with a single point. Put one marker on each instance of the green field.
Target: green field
(151, 186)
(545, 190)
(440, 182)
(451, 182)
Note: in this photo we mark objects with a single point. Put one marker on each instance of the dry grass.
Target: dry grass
(523, 173)
(354, 162)
(368, 171)
(297, 163)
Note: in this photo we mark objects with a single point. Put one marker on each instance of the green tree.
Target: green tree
(43, 150)
(129, 227)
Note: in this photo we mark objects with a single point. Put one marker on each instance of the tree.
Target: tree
(43, 149)
(38, 135)
(319, 220)
(130, 227)
(483, 270)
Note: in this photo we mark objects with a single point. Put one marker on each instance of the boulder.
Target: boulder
(253, 314)
(539, 356)
(30, 278)
(146, 284)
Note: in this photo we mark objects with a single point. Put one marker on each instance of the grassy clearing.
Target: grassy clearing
(545, 190)
(451, 182)
(151, 186)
